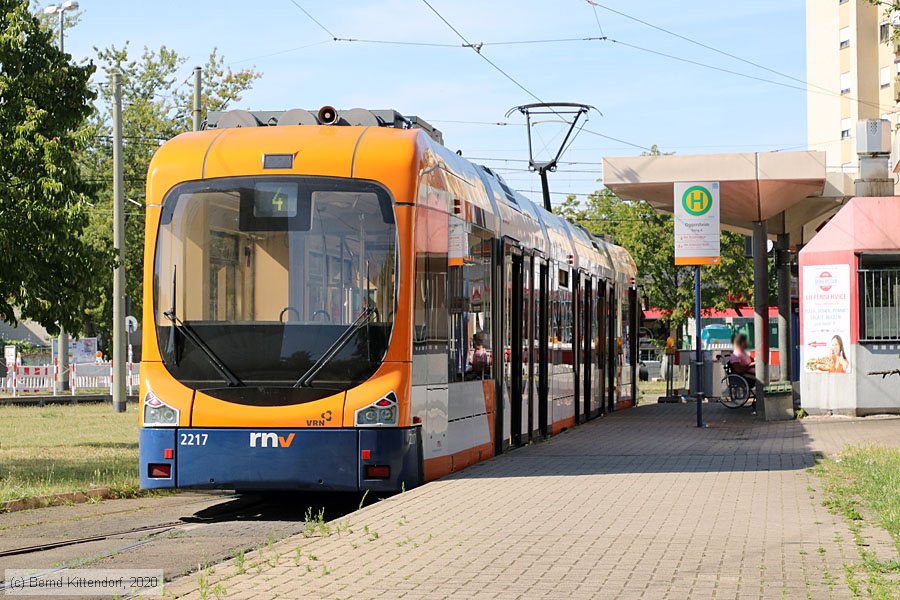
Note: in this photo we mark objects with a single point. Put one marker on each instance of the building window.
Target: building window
(879, 297)
(846, 128)
(884, 32)
(845, 82)
(844, 37)
(885, 76)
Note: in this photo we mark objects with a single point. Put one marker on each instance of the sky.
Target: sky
(645, 98)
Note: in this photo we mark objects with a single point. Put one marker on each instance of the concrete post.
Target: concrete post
(784, 305)
(761, 307)
(197, 108)
(62, 361)
(119, 359)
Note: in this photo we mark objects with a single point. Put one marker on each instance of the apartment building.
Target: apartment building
(852, 68)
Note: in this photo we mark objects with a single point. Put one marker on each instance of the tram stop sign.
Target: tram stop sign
(697, 223)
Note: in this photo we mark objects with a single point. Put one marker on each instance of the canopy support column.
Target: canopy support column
(761, 307)
(784, 306)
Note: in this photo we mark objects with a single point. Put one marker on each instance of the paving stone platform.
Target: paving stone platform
(639, 504)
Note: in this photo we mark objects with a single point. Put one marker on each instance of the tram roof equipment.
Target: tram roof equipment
(327, 115)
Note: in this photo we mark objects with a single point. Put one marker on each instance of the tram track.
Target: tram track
(84, 540)
(169, 533)
(234, 507)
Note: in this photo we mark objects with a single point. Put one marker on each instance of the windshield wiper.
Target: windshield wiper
(215, 361)
(338, 345)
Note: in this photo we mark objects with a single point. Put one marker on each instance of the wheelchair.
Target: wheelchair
(736, 389)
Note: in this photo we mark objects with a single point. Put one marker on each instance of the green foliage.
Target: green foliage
(24, 347)
(44, 101)
(649, 236)
(156, 107)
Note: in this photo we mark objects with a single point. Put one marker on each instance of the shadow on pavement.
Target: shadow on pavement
(661, 438)
(280, 506)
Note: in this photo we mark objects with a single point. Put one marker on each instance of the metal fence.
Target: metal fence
(41, 379)
(879, 293)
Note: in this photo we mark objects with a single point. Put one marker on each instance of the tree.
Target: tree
(156, 107)
(649, 236)
(44, 101)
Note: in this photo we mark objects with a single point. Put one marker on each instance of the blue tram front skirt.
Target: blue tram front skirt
(377, 459)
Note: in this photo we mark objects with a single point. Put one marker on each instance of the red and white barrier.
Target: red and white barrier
(33, 379)
(36, 379)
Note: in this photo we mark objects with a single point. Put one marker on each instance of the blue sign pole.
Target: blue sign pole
(699, 357)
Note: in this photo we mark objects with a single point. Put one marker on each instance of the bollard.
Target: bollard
(130, 375)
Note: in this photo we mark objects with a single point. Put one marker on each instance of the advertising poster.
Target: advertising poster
(826, 318)
(81, 351)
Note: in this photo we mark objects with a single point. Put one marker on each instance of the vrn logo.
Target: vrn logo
(270, 440)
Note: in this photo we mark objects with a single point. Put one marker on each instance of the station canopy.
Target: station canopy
(787, 189)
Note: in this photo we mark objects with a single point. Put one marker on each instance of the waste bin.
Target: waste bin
(712, 371)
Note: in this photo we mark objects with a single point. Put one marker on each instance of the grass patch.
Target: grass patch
(55, 449)
(650, 391)
(863, 485)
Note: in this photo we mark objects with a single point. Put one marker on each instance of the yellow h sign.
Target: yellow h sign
(697, 200)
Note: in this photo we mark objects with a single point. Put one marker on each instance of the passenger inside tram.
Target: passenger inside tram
(479, 363)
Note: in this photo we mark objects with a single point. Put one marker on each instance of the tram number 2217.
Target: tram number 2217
(193, 439)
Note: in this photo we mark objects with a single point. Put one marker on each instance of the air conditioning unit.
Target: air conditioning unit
(873, 136)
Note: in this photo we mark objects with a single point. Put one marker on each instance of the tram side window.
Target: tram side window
(431, 284)
(469, 304)
(564, 326)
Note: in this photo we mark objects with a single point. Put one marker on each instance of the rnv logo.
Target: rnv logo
(270, 440)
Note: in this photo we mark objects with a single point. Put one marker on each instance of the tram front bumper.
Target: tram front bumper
(377, 459)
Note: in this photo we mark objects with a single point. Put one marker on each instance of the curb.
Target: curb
(60, 399)
(103, 493)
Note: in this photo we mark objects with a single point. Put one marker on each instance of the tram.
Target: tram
(335, 301)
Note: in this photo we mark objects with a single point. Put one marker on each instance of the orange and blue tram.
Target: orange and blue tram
(336, 301)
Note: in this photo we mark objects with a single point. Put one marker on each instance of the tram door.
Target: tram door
(577, 301)
(529, 400)
(543, 346)
(634, 334)
(612, 357)
(587, 353)
(602, 346)
(513, 341)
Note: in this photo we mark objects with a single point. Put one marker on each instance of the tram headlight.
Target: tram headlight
(382, 412)
(157, 413)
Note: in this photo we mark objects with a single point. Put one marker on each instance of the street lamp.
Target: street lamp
(62, 348)
(61, 11)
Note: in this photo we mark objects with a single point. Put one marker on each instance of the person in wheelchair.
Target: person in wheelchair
(742, 364)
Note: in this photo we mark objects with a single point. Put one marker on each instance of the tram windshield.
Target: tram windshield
(275, 282)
